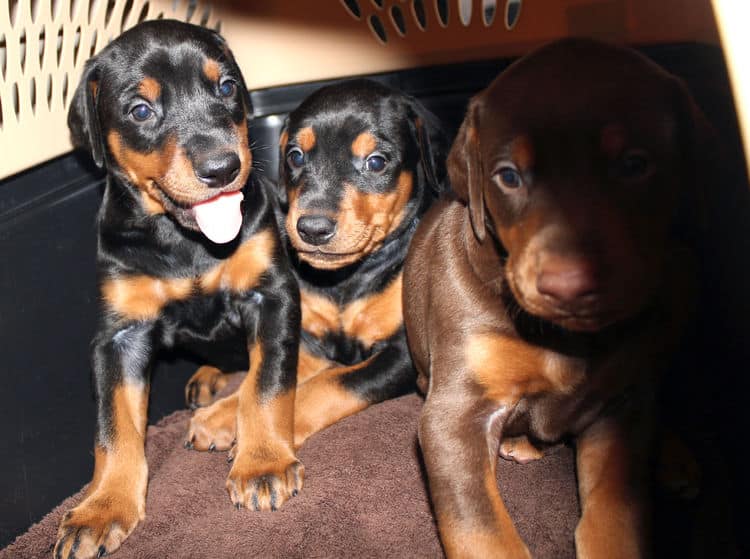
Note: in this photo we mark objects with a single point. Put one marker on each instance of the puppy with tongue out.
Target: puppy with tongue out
(189, 255)
(220, 218)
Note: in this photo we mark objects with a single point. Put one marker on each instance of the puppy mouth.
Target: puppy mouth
(327, 257)
(576, 320)
(591, 315)
(328, 260)
(217, 214)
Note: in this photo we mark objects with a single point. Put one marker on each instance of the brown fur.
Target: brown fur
(546, 307)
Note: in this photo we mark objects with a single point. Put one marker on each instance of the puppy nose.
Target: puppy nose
(316, 229)
(218, 170)
(567, 279)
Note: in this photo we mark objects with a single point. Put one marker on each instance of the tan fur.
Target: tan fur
(264, 443)
(377, 317)
(150, 89)
(242, 270)
(143, 297)
(116, 497)
(509, 368)
(364, 144)
(322, 400)
(364, 221)
(212, 69)
(306, 138)
(319, 314)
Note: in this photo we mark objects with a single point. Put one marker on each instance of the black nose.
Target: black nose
(316, 229)
(218, 170)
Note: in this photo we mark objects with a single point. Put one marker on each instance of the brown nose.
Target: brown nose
(567, 279)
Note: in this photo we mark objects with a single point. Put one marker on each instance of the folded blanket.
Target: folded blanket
(365, 495)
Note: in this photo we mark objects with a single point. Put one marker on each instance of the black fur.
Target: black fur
(412, 139)
(218, 327)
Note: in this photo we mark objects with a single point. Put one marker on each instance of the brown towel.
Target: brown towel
(364, 496)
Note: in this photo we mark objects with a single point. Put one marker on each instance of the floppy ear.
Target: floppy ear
(465, 169)
(430, 136)
(280, 184)
(83, 120)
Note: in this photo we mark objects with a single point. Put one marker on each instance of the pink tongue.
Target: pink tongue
(220, 218)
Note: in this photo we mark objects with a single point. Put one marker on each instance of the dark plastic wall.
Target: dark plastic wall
(48, 292)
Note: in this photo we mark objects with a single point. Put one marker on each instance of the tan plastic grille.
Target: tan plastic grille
(43, 47)
(44, 43)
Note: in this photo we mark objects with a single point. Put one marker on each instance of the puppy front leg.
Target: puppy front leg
(459, 440)
(265, 470)
(338, 392)
(611, 463)
(116, 497)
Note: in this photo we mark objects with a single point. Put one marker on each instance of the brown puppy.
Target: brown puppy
(543, 303)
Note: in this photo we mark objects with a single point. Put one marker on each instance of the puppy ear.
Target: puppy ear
(281, 184)
(430, 137)
(465, 169)
(83, 120)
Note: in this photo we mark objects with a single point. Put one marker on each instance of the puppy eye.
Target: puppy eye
(508, 177)
(141, 113)
(375, 163)
(295, 158)
(633, 165)
(227, 88)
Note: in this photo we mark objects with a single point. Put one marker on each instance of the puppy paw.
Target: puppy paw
(96, 527)
(520, 450)
(213, 427)
(203, 386)
(264, 487)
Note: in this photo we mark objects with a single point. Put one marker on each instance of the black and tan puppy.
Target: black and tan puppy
(164, 110)
(360, 164)
(542, 305)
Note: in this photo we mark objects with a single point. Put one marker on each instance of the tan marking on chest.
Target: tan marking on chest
(242, 270)
(510, 369)
(319, 314)
(377, 317)
(142, 297)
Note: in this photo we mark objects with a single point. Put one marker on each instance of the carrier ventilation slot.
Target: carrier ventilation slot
(44, 45)
(421, 14)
